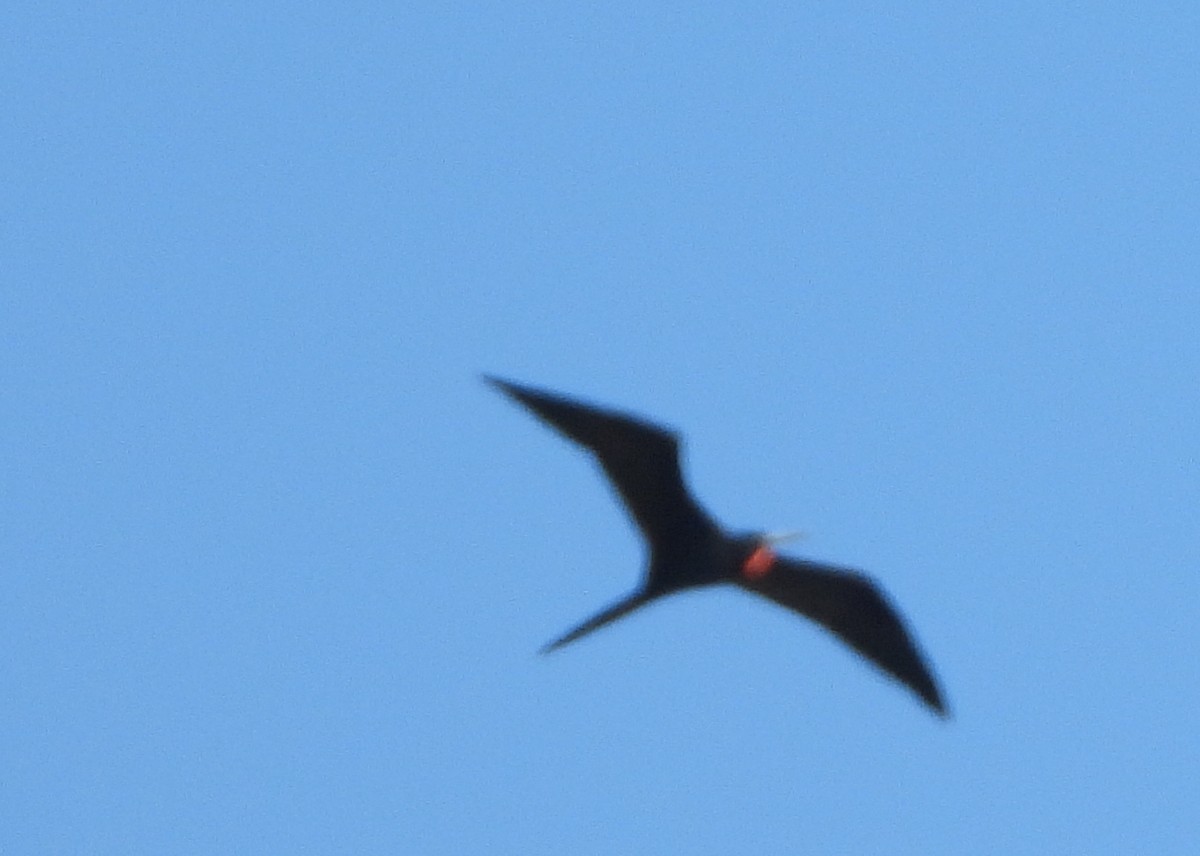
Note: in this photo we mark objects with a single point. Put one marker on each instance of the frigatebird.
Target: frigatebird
(688, 549)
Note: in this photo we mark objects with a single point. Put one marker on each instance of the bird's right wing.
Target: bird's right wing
(853, 607)
(641, 459)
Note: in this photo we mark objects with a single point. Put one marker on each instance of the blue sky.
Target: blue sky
(921, 282)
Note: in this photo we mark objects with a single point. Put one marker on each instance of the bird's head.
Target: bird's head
(757, 552)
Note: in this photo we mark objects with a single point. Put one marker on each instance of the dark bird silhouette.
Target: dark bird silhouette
(689, 549)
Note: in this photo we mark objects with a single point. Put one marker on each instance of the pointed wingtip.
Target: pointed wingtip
(512, 390)
(932, 697)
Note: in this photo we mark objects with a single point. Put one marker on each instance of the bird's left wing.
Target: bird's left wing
(640, 459)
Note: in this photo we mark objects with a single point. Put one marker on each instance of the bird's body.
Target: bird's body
(688, 548)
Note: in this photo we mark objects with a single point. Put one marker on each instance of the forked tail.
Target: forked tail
(607, 616)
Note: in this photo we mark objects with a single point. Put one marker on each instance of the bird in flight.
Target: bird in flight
(687, 548)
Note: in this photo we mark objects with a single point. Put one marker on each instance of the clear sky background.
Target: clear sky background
(921, 282)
